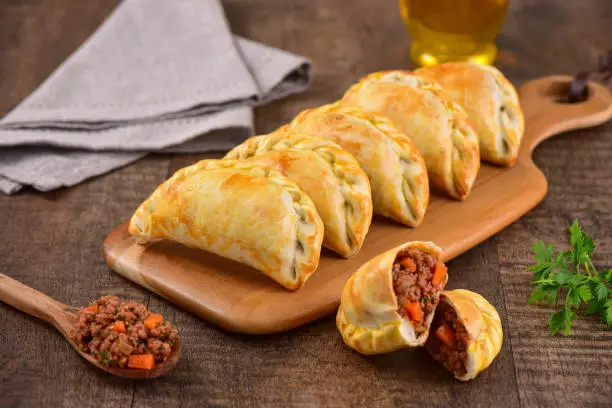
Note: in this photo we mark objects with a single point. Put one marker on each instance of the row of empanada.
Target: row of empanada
(397, 300)
(231, 207)
(344, 161)
(328, 174)
(455, 113)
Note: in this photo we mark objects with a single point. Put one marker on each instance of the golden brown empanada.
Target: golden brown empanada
(389, 302)
(437, 125)
(241, 211)
(397, 173)
(466, 333)
(491, 103)
(328, 174)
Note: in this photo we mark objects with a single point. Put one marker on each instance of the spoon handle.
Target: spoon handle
(31, 301)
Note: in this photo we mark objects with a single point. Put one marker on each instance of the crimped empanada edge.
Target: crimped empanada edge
(262, 144)
(417, 199)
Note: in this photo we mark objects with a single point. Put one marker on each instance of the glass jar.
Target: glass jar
(453, 30)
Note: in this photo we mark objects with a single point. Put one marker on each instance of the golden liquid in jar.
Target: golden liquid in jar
(453, 30)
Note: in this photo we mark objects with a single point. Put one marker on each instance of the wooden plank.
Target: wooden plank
(34, 42)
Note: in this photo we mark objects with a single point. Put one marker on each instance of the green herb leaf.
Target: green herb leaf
(578, 280)
(582, 244)
(546, 264)
(572, 298)
(607, 316)
(556, 322)
(606, 275)
(574, 271)
(594, 306)
(601, 291)
(567, 322)
(544, 292)
(584, 293)
(562, 277)
(542, 253)
(562, 320)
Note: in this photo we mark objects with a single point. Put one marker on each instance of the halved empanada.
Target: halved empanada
(437, 125)
(491, 103)
(397, 173)
(241, 211)
(389, 302)
(466, 333)
(328, 174)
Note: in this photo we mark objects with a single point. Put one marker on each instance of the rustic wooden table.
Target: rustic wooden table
(53, 241)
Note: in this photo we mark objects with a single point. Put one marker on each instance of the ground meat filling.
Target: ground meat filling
(416, 290)
(448, 341)
(120, 334)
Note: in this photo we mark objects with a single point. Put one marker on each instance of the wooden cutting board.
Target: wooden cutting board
(239, 298)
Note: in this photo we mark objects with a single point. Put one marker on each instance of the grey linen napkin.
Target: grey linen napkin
(157, 75)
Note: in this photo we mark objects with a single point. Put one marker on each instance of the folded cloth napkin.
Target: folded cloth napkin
(157, 75)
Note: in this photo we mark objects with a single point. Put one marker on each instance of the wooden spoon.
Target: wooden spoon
(64, 318)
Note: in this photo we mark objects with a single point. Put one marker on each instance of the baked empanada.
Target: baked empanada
(389, 302)
(397, 173)
(491, 103)
(328, 174)
(438, 126)
(466, 333)
(241, 211)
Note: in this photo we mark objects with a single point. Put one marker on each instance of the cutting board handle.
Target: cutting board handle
(547, 114)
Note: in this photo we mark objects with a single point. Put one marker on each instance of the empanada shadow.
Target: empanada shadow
(408, 364)
(231, 272)
(328, 253)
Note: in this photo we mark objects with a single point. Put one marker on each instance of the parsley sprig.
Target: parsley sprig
(573, 273)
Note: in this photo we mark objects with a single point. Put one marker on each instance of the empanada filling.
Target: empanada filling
(418, 278)
(448, 341)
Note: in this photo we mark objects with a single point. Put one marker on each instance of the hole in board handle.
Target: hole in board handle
(572, 92)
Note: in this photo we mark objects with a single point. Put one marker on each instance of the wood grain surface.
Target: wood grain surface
(241, 299)
(52, 241)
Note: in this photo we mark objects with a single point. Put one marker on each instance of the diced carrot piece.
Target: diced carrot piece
(153, 321)
(439, 274)
(92, 309)
(141, 361)
(414, 311)
(446, 334)
(409, 264)
(118, 327)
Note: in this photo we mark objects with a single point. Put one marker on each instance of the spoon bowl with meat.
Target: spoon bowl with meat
(121, 338)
